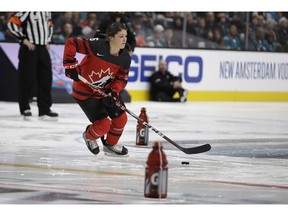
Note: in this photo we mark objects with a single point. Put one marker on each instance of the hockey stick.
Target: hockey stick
(191, 150)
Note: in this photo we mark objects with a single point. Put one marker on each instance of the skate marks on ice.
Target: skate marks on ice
(205, 180)
(48, 162)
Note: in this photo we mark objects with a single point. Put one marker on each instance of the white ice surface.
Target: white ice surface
(49, 163)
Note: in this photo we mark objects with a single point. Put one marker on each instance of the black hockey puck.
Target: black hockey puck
(185, 162)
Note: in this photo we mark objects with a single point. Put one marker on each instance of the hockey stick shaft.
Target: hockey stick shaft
(192, 150)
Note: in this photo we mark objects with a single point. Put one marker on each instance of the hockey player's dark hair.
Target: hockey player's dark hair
(114, 28)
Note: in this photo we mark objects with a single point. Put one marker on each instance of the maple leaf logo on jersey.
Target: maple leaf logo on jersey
(102, 78)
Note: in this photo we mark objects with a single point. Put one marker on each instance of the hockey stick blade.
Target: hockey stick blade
(191, 150)
(197, 149)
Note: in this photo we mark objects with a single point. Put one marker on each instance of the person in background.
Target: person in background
(191, 24)
(2, 27)
(232, 41)
(271, 43)
(90, 25)
(34, 31)
(282, 34)
(66, 33)
(156, 39)
(170, 40)
(218, 38)
(222, 22)
(140, 40)
(164, 85)
(200, 27)
(260, 43)
(106, 65)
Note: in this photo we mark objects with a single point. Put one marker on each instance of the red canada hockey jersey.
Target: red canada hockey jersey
(98, 66)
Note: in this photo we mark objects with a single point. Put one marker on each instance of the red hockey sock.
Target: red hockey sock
(98, 129)
(116, 129)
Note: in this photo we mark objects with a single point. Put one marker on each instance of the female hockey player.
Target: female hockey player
(106, 65)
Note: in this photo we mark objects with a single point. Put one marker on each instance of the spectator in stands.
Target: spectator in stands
(218, 38)
(5, 33)
(196, 28)
(223, 23)
(90, 25)
(270, 26)
(260, 43)
(282, 33)
(170, 14)
(140, 40)
(208, 43)
(200, 28)
(191, 24)
(2, 27)
(271, 42)
(191, 41)
(178, 23)
(156, 39)
(231, 41)
(274, 15)
(60, 22)
(66, 32)
(160, 19)
(201, 33)
(164, 86)
(2, 36)
(170, 40)
(241, 28)
(76, 23)
(89, 16)
(254, 24)
(250, 38)
(210, 22)
(261, 21)
(67, 17)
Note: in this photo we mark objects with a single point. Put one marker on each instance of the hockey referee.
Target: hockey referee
(34, 31)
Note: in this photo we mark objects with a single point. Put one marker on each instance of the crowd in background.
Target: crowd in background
(253, 31)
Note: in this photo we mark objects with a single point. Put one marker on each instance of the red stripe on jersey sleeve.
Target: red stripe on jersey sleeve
(70, 48)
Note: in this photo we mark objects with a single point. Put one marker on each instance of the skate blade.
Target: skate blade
(115, 155)
(47, 118)
(27, 118)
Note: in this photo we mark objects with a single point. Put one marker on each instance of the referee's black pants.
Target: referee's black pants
(35, 66)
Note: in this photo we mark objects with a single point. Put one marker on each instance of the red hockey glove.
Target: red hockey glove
(72, 69)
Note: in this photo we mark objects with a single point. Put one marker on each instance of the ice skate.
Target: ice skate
(91, 144)
(50, 116)
(183, 97)
(27, 115)
(116, 150)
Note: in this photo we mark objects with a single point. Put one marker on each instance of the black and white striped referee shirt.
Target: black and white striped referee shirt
(37, 27)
